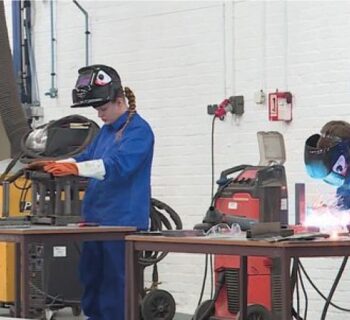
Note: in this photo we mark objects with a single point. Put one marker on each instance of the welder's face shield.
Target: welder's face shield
(330, 164)
(96, 86)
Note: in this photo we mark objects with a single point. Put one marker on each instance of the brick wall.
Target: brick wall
(180, 56)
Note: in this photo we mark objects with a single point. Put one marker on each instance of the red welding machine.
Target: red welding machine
(253, 194)
(258, 193)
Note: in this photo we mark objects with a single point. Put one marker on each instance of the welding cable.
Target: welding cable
(159, 221)
(294, 287)
(298, 297)
(211, 277)
(212, 201)
(204, 280)
(61, 123)
(298, 278)
(212, 157)
(9, 167)
(218, 286)
(304, 291)
(319, 292)
(334, 287)
(46, 295)
(24, 187)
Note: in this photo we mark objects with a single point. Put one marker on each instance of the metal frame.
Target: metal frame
(243, 248)
(49, 234)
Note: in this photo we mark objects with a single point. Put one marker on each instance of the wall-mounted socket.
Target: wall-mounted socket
(260, 97)
(237, 103)
(211, 108)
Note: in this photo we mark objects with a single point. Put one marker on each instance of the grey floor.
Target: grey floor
(67, 314)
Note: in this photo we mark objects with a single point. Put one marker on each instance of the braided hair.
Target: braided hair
(131, 109)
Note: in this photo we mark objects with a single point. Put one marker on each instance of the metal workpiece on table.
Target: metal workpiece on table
(56, 200)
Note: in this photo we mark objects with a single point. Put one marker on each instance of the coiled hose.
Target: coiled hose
(93, 128)
(27, 155)
(162, 217)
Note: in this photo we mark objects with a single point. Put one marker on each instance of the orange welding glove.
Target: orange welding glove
(38, 164)
(60, 169)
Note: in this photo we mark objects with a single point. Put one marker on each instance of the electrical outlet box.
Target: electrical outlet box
(211, 108)
(237, 103)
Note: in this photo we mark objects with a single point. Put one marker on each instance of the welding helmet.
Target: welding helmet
(328, 163)
(96, 85)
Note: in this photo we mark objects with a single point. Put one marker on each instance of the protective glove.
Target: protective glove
(39, 164)
(60, 169)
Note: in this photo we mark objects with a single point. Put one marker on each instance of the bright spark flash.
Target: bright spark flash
(328, 217)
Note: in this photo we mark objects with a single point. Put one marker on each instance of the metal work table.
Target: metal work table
(23, 237)
(227, 246)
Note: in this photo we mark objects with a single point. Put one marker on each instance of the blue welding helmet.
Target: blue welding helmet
(328, 163)
(96, 85)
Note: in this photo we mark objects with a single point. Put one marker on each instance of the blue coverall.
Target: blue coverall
(121, 199)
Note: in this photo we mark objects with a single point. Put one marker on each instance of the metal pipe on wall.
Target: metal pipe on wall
(17, 42)
(228, 48)
(87, 32)
(53, 90)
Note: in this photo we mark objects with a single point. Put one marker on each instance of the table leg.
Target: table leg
(243, 287)
(25, 278)
(286, 287)
(17, 280)
(132, 268)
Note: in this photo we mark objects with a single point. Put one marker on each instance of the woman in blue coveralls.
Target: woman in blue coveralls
(118, 163)
(327, 157)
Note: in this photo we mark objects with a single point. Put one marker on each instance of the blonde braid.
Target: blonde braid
(131, 109)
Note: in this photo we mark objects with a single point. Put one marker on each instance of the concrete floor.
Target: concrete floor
(67, 315)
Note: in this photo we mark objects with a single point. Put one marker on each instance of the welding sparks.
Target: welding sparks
(328, 217)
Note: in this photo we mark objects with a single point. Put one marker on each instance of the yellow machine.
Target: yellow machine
(19, 195)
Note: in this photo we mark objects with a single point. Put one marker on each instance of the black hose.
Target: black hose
(204, 280)
(318, 290)
(159, 220)
(62, 122)
(304, 291)
(334, 287)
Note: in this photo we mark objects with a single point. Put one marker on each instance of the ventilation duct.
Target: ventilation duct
(11, 112)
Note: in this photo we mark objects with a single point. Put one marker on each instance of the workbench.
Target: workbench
(23, 237)
(227, 246)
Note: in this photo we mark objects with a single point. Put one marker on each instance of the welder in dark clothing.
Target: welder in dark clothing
(327, 157)
(118, 163)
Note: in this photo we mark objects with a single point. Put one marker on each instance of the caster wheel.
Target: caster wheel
(206, 309)
(76, 310)
(49, 314)
(158, 305)
(257, 312)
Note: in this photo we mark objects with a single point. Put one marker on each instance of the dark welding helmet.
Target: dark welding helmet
(96, 85)
(329, 163)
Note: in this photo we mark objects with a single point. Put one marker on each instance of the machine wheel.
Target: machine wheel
(257, 312)
(76, 310)
(158, 305)
(48, 314)
(206, 308)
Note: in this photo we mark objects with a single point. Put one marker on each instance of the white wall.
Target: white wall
(178, 57)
